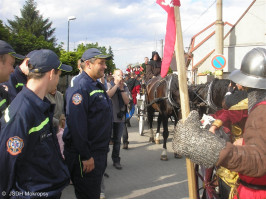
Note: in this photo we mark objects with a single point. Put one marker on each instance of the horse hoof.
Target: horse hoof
(178, 156)
(152, 140)
(157, 141)
(164, 158)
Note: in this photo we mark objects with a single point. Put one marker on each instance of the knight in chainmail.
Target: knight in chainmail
(248, 158)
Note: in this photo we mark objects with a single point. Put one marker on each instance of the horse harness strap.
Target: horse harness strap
(197, 95)
(209, 98)
(168, 95)
(156, 100)
(170, 99)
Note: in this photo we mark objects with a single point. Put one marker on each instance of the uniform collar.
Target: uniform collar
(84, 74)
(43, 105)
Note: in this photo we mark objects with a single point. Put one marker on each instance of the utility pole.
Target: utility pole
(219, 49)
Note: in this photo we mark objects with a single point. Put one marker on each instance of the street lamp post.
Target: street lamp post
(68, 21)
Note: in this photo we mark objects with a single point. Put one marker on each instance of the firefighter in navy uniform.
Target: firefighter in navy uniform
(88, 126)
(18, 78)
(7, 60)
(31, 165)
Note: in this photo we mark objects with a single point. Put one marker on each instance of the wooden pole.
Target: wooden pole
(183, 89)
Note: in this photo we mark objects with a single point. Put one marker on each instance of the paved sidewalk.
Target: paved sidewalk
(144, 175)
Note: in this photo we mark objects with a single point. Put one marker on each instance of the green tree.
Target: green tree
(24, 42)
(4, 33)
(70, 58)
(110, 63)
(32, 22)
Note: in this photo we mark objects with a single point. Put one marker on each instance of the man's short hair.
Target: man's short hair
(37, 75)
(83, 64)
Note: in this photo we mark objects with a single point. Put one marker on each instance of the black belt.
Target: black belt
(252, 186)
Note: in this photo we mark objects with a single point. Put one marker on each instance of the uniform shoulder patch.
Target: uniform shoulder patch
(77, 99)
(14, 145)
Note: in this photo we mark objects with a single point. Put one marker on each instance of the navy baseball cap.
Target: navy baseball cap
(6, 48)
(93, 53)
(44, 60)
(30, 54)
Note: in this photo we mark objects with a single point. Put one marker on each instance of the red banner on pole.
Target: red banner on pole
(170, 36)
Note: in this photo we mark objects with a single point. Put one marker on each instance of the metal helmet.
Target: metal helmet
(253, 70)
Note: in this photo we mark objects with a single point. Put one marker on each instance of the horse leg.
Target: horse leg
(176, 117)
(150, 112)
(165, 137)
(157, 137)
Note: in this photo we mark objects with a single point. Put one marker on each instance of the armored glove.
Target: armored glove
(199, 145)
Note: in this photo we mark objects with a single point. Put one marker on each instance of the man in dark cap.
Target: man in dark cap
(89, 119)
(7, 61)
(31, 165)
(18, 78)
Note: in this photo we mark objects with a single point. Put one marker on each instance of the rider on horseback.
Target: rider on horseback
(153, 68)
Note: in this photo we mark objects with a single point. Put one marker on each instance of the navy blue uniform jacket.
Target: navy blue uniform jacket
(30, 161)
(88, 117)
(15, 83)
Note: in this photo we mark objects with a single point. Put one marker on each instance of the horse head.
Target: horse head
(208, 97)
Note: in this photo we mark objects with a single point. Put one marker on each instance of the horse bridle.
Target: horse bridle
(209, 101)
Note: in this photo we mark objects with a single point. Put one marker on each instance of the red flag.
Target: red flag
(170, 36)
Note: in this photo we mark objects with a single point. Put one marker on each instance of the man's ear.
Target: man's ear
(27, 62)
(51, 74)
(88, 64)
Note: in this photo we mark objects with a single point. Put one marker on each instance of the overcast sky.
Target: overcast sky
(133, 28)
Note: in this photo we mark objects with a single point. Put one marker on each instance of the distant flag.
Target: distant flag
(170, 36)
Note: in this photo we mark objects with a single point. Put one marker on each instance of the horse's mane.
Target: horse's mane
(219, 89)
(174, 82)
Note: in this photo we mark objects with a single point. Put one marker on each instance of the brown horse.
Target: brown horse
(163, 97)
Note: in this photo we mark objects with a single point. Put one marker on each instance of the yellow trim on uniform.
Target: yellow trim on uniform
(37, 128)
(19, 85)
(96, 91)
(2, 102)
(242, 105)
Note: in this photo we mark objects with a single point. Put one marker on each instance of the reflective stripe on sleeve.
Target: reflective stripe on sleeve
(19, 85)
(96, 91)
(2, 102)
(7, 118)
(37, 128)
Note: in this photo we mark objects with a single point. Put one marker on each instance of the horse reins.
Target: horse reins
(209, 101)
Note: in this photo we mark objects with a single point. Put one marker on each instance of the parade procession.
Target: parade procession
(156, 99)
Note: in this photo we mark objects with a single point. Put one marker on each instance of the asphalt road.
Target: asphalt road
(144, 175)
